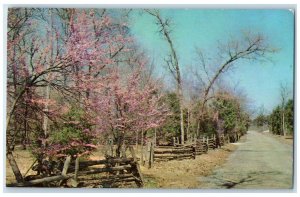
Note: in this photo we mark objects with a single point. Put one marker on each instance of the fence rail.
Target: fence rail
(87, 173)
(120, 171)
(165, 153)
(178, 151)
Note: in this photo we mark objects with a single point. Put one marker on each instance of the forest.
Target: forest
(78, 81)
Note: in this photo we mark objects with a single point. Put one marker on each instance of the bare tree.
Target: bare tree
(171, 60)
(252, 47)
(284, 93)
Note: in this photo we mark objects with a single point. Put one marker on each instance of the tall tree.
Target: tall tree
(275, 125)
(83, 63)
(40, 60)
(289, 114)
(233, 117)
(251, 47)
(171, 60)
(284, 93)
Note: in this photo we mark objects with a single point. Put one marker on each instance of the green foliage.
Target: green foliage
(275, 118)
(275, 121)
(65, 135)
(289, 116)
(230, 111)
(172, 124)
(260, 120)
(73, 135)
(208, 126)
(243, 123)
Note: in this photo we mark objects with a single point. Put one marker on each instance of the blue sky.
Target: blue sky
(204, 28)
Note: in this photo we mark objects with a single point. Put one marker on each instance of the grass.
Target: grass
(184, 174)
(24, 160)
(171, 174)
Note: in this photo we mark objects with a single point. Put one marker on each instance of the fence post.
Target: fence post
(142, 149)
(148, 160)
(214, 141)
(66, 166)
(111, 147)
(137, 171)
(207, 142)
(194, 152)
(155, 137)
(151, 154)
(76, 168)
(123, 150)
(75, 183)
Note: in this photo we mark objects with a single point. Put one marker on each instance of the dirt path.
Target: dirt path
(260, 162)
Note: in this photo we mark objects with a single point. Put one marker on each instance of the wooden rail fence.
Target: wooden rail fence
(115, 172)
(177, 151)
(201, 146)
(111, 172)
(165, 153)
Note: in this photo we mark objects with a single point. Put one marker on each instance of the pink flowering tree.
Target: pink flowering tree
(92, 45)
(121, 105)
(114, 96)
(77, 78)
(33, 63)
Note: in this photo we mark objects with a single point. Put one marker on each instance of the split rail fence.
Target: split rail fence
(122, 171)
(110, 172)
(157, 153)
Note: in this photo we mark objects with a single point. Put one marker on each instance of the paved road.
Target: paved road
(260, 162)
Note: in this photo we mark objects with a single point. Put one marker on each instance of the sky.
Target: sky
(205, 28)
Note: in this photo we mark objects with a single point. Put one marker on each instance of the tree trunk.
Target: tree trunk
(198, 128)
(45, 118)
(14, 167)
(118, 149)
(25, 133)
(120, 142)
(173, 64)
(180, 97)
(136, 140)
(142, 149)
(155, 133)
(47, 90)
(188, 134)
(13, 107)
(283, 124)
(181, 125)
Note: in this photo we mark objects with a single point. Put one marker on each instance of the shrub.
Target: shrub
(73, 136)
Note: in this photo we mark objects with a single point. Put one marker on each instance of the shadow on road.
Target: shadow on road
(231, 184)
(252, 177)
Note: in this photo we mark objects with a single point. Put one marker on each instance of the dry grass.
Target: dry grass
(24, 160)
(284, 139)
(184, 174)
(171, 174)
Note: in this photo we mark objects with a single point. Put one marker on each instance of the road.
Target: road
(260, 162)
